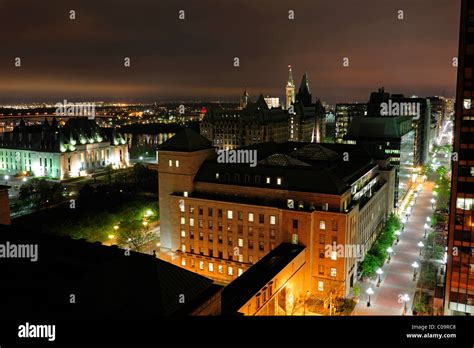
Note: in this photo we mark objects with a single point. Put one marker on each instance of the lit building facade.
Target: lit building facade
(459, 289)
(343, 116)
(75, 149)
(219, 219)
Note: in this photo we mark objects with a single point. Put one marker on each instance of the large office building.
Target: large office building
(343, 117)
(256, 122)
(51, 150)
(459, 290)
(396, 137)
(218, 219)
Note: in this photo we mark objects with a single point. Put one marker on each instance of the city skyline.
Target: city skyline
(190, 59)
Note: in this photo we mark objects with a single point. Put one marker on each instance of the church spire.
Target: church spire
(289, 89)
(304, 95)
(290, 77)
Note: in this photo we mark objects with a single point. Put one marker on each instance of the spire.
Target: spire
(290, 77)
(246, 94)
(304, 87)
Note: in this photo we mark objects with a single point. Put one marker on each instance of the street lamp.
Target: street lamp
(415, 265)
(111, 236)
(405, 299)
(426, 226)
(379, 272)
(398, 233)
(404, 221)
(6, 178)
(369, 292)
(116, 227)
(421, 245)
(432, 202)
(145, 223)
(389, 251)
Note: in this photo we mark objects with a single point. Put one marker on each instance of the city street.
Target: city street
(397, 277)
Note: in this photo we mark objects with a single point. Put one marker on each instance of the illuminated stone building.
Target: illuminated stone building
(50, 150)
(219, 219)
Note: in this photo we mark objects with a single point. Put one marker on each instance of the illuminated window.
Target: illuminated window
(267, 180)
(201, 265)
(177, 164)
(229, 214)
(467, 104)
(250, 217)
(333, 272)
(183, 248)
(465, 203)
(183, 233)
(183, 262)
(240, 271)
(220, 269)
(321, 285)
(240, 242)
(170, 163)
(191, 222)
(272, 219)
(230, 271)
(278, 181)
(211, 267)
(217, 175)
(322, 224)
(183, 221)
(333, 255)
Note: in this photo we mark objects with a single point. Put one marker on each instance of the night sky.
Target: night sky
(174, 59)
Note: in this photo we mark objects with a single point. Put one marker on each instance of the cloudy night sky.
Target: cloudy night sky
(174, 59)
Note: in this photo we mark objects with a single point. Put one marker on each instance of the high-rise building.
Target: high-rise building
(459, 289)
(218, 219)
(289, 89)
(343, 117)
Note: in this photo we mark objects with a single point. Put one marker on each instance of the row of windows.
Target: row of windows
(230, 255)
(210, 267)
(229, 214)
(210, 236)
(332, 271)
(257, 179)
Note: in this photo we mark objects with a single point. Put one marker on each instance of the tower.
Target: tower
(244, 100)
(304, 95)
(290, 89)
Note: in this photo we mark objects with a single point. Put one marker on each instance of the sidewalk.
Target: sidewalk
(397, 278)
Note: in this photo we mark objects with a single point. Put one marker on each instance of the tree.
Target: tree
(134, 234)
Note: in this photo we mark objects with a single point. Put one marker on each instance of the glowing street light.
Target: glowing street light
(116, 227)
(405, 298)
(415, 266)
(389, 251)
(145, 223)
(426, 227)
(369, 292)
(111, 236)
(379, 272)
(432, 202)
(148, 213)
(421, 245)
(6, 177)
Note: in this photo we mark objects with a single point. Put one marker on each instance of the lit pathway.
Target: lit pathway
(398, 274)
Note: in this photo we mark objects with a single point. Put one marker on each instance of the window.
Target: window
(251, 259)
(211, 267)
(267, 180)
(295, 224)
(322, 224)
(170, 163)
(230, 214)
(272, 246)
(191, 222)
(183, 220)
(250, 244)
(250, 233)
(333, 272)
(467, 104)
(334, 224)
(278, 181)
(261, 246)
(272, 233)
(250, 217)
(240, 229)
(321, 270)
(320, 285)
(334, 255)
(220, 269)
(240, 271)
(272, 219)
(219, 225)
(219, 238)
(230, 271)
(219, 213)
(177, 163)
(334, 239)
(241, 258)
(210, 224)
(321, 253)
(181, 205)
(191, 209)
(211, 237)
(183, 233)
(240, 215)
(322, 239)
(183, 248)
(201, 235)
(191, 234)
(201, 265)
(183, 262)
(209, 212)
(200, 211)
(240, 242)
(217, 175)
(200, 223)
(261, 218)
(210, 252)
(229, 240)
(229, 227)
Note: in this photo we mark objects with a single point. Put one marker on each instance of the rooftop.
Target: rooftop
(186, 140)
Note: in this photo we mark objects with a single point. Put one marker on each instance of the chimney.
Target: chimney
(4, 206)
